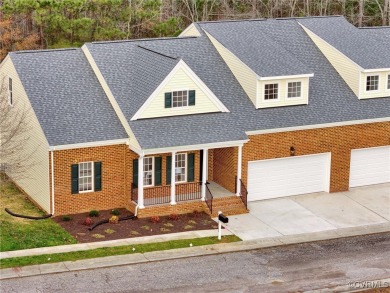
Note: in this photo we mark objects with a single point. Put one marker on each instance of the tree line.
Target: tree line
(33, 24)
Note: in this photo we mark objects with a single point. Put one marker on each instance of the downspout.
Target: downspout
(52, 181)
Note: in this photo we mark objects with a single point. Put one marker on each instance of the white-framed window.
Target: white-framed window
(86, 177)
(180, 99)
(271, 91)
(294, 89)
(181, 168)
(10, 92)
(388, 81)
(148, 171)
(372, 83)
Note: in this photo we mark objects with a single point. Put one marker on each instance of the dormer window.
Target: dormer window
(271, 91)
(294, 89)
(179, 99)
(372, 83)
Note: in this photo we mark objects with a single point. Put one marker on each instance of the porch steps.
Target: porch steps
(229, 205)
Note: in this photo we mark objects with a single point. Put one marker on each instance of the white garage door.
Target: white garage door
(370, 166)
(288, 176)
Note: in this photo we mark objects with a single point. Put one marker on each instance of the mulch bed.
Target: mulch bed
(132, 228)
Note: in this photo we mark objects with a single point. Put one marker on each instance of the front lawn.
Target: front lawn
(18, 233)
(109, 251)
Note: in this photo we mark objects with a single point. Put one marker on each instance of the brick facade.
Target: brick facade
(117, 176)
(337, 140)
(225, 167)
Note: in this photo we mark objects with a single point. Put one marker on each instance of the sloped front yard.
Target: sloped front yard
(75, 225)
(18, 233)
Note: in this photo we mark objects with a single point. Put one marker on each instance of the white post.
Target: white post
(204, 172)
(239, 163)
(173, 178)
(219, 227)
(141, 182)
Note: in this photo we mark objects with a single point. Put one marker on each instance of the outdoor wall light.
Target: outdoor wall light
(292, 151)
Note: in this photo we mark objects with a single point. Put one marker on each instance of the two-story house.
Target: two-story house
(228, 112)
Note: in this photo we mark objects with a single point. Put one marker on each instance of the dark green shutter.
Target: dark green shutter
(98, 176)
(168, 100)
(169, 165)
(157, 171)
(135, 172)
(191, 98)
(191, 167)
(75, 178)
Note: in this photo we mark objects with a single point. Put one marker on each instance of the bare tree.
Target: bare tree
(361, 13)
(15, 128)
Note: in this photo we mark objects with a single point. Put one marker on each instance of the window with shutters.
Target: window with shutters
(148, 171)
(179, 99)
(180, 168)
(86, 182)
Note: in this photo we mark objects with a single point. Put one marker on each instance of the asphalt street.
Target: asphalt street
(299, 267)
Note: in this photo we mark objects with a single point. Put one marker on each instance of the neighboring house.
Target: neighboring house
(278, 107)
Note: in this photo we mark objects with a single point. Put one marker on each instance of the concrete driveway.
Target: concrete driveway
(315, 212)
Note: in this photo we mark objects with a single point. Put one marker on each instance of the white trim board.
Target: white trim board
(89, 144)
(181, 65)
(315, 126)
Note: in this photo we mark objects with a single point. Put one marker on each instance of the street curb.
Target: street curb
(118, 260)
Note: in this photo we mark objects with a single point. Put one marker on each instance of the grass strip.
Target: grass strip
(109, 251)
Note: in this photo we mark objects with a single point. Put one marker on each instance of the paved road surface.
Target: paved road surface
(282, 269)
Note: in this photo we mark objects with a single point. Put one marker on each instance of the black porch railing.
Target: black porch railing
(162, 194)
(243, 192)
(209, 199)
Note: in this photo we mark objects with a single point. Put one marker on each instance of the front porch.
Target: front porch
(206, 177)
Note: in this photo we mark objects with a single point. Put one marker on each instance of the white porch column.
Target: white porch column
(204, 172)
(141, 182)
(239, 164)
(173, 182)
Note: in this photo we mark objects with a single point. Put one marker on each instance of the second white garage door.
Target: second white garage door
(288, 176)
(370, 166)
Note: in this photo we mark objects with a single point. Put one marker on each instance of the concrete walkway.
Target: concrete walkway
(317, 212)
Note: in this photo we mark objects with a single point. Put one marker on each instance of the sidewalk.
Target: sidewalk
(188, 252)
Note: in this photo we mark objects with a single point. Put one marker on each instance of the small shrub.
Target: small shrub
(88, 221)
(168, 225)
(192, 222)
(94, 213)
(66, 218)
(173, 217)
(165, 229)
(134, 232)
(115, 212)
(114, 220)
(98, 236)
(187, 227)
(155, 219)
(109, 231)
(146, 227)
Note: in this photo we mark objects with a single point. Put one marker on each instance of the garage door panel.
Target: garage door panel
(370, 166)
(288, 176)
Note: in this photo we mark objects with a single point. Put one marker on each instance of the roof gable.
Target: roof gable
(180, 78)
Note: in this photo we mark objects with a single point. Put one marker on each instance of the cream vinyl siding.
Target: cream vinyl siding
(179, 81)
(245, 76)
(282, 97)
(382, 91)
(348, 70)
(190, 31)
(133, 141)
(35, 178)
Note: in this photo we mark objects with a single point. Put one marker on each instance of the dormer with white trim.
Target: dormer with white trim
(266, 91)
(182, 92)
(367, 72)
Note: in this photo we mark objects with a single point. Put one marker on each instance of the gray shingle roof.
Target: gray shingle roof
(67, 97)
(359, 45)
(255, 48)
(133, 72)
